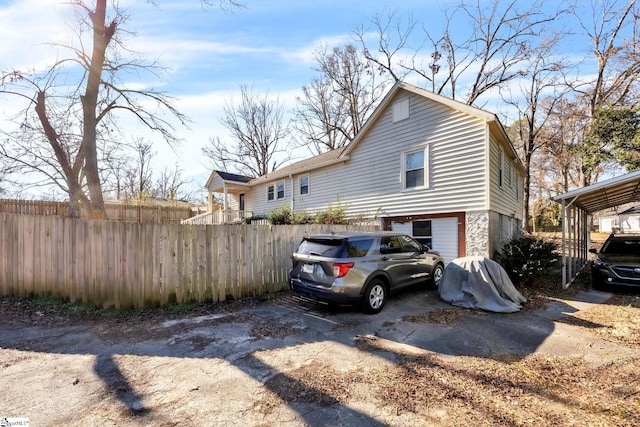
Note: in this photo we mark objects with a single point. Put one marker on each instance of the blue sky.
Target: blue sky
(208, 53)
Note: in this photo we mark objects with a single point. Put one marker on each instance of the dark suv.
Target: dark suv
(361, 268)
(617, 263)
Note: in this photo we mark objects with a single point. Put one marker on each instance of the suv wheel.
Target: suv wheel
(436, 275)
(375, 295)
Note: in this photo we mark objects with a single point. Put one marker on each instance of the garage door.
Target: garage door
(441, 233)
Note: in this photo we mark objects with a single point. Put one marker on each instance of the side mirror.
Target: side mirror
(593, 251)
(425, 248)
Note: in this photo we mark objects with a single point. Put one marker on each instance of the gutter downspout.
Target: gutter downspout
(291, 201)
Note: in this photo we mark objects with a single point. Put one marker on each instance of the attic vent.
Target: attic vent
(401, 110)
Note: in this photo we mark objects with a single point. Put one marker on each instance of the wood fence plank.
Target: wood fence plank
(4, 254)
(200, 260)
(133, 265)
(218, 244)
(210, 294)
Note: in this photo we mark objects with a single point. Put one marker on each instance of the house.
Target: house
(627, 221)
(442, 171)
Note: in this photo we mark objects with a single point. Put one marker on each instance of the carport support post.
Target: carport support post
(563, 220)
(568, 249)
(575, 228)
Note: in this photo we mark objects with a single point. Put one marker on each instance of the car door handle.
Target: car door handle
(384, 258)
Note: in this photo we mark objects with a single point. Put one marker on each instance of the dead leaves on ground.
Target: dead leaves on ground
(534, 390)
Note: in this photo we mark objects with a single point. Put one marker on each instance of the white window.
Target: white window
(415, 171)
(280, 190)
(270, 192)
(401, 110)
(304, 185)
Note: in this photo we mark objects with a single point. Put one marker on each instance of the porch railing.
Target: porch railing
(219, 217)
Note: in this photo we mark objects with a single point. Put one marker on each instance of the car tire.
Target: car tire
(375, 295)
(436, 276)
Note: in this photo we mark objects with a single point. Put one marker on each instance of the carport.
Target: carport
(577, 207)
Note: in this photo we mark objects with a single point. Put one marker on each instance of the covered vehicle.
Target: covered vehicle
(361, 268)
(479, 282)
(617, 264)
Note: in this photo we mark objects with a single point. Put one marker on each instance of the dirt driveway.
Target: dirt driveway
(289, 361)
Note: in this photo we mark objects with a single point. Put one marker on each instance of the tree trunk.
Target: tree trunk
(102, 36)
(527, 193)
(70, 173)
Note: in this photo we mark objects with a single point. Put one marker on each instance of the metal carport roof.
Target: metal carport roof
(606, 194)
(577, 207)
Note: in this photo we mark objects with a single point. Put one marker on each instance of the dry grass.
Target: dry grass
(471, 391)
(617, 321)
(475, 391)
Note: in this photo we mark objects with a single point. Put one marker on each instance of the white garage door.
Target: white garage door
(444, 235)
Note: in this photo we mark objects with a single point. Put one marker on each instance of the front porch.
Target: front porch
(229, 206)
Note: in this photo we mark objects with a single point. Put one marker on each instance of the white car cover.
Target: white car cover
(479, 282)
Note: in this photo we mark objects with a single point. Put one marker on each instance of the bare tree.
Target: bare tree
(493, 52)
(613, 26)
(335, 105)
(170, 185)
(564, 132)
(138, 176)
(537, 96)
(319, 116)
(72, 120)
(259, 136)
(60, 160)
(394, 33)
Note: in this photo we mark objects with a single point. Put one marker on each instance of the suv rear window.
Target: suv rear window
(335, 248)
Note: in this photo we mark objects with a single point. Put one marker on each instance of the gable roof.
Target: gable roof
(228, 177)
(342, 154)
(635, 210)
(489, 118)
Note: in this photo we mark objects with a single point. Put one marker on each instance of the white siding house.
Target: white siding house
(627, 221)
(437, 169)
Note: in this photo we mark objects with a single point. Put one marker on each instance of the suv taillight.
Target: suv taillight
(341, 268)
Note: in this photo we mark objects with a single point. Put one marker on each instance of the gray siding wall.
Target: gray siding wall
(370, 183)
(505, 199)
(506, 203)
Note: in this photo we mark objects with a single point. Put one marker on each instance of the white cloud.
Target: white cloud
(27, 31)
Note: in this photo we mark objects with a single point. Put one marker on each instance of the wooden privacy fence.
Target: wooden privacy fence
(125, 265)
(115, 211)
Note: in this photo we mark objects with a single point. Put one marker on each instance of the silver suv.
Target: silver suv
(361, 268)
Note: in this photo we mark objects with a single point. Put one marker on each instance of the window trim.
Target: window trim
(425, 185)
(308, 186)
(284, 190)
(271, 192)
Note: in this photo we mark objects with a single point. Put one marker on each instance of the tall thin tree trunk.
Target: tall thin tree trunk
(102, 36)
